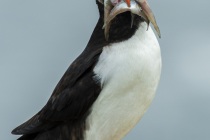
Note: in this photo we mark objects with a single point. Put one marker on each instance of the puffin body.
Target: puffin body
(108, 88)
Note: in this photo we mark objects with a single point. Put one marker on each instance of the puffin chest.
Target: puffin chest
(129, 73)
(136, 61)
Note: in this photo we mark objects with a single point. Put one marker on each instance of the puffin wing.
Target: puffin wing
(72, 98)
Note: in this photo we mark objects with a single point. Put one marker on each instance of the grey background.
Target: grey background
(40, 38)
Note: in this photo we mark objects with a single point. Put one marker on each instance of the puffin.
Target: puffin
(107, 89)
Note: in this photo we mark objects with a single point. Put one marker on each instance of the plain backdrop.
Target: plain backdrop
(40, 38)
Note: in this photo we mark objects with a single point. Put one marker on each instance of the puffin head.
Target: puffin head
(112, 8)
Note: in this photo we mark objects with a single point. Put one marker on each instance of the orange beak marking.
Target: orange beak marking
(128, 3)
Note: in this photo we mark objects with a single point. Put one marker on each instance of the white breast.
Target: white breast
(129, 73)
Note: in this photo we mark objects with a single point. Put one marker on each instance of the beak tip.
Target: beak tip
(128, 3)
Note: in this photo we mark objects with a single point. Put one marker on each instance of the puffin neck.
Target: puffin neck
(120, 29)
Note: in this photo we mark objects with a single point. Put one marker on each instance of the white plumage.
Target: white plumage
(129, 72)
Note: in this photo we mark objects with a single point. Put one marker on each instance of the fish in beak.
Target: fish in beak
(112, 8)
(148, 12)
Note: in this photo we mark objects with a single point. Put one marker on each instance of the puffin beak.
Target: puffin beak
(148, 12)
(128, 3)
